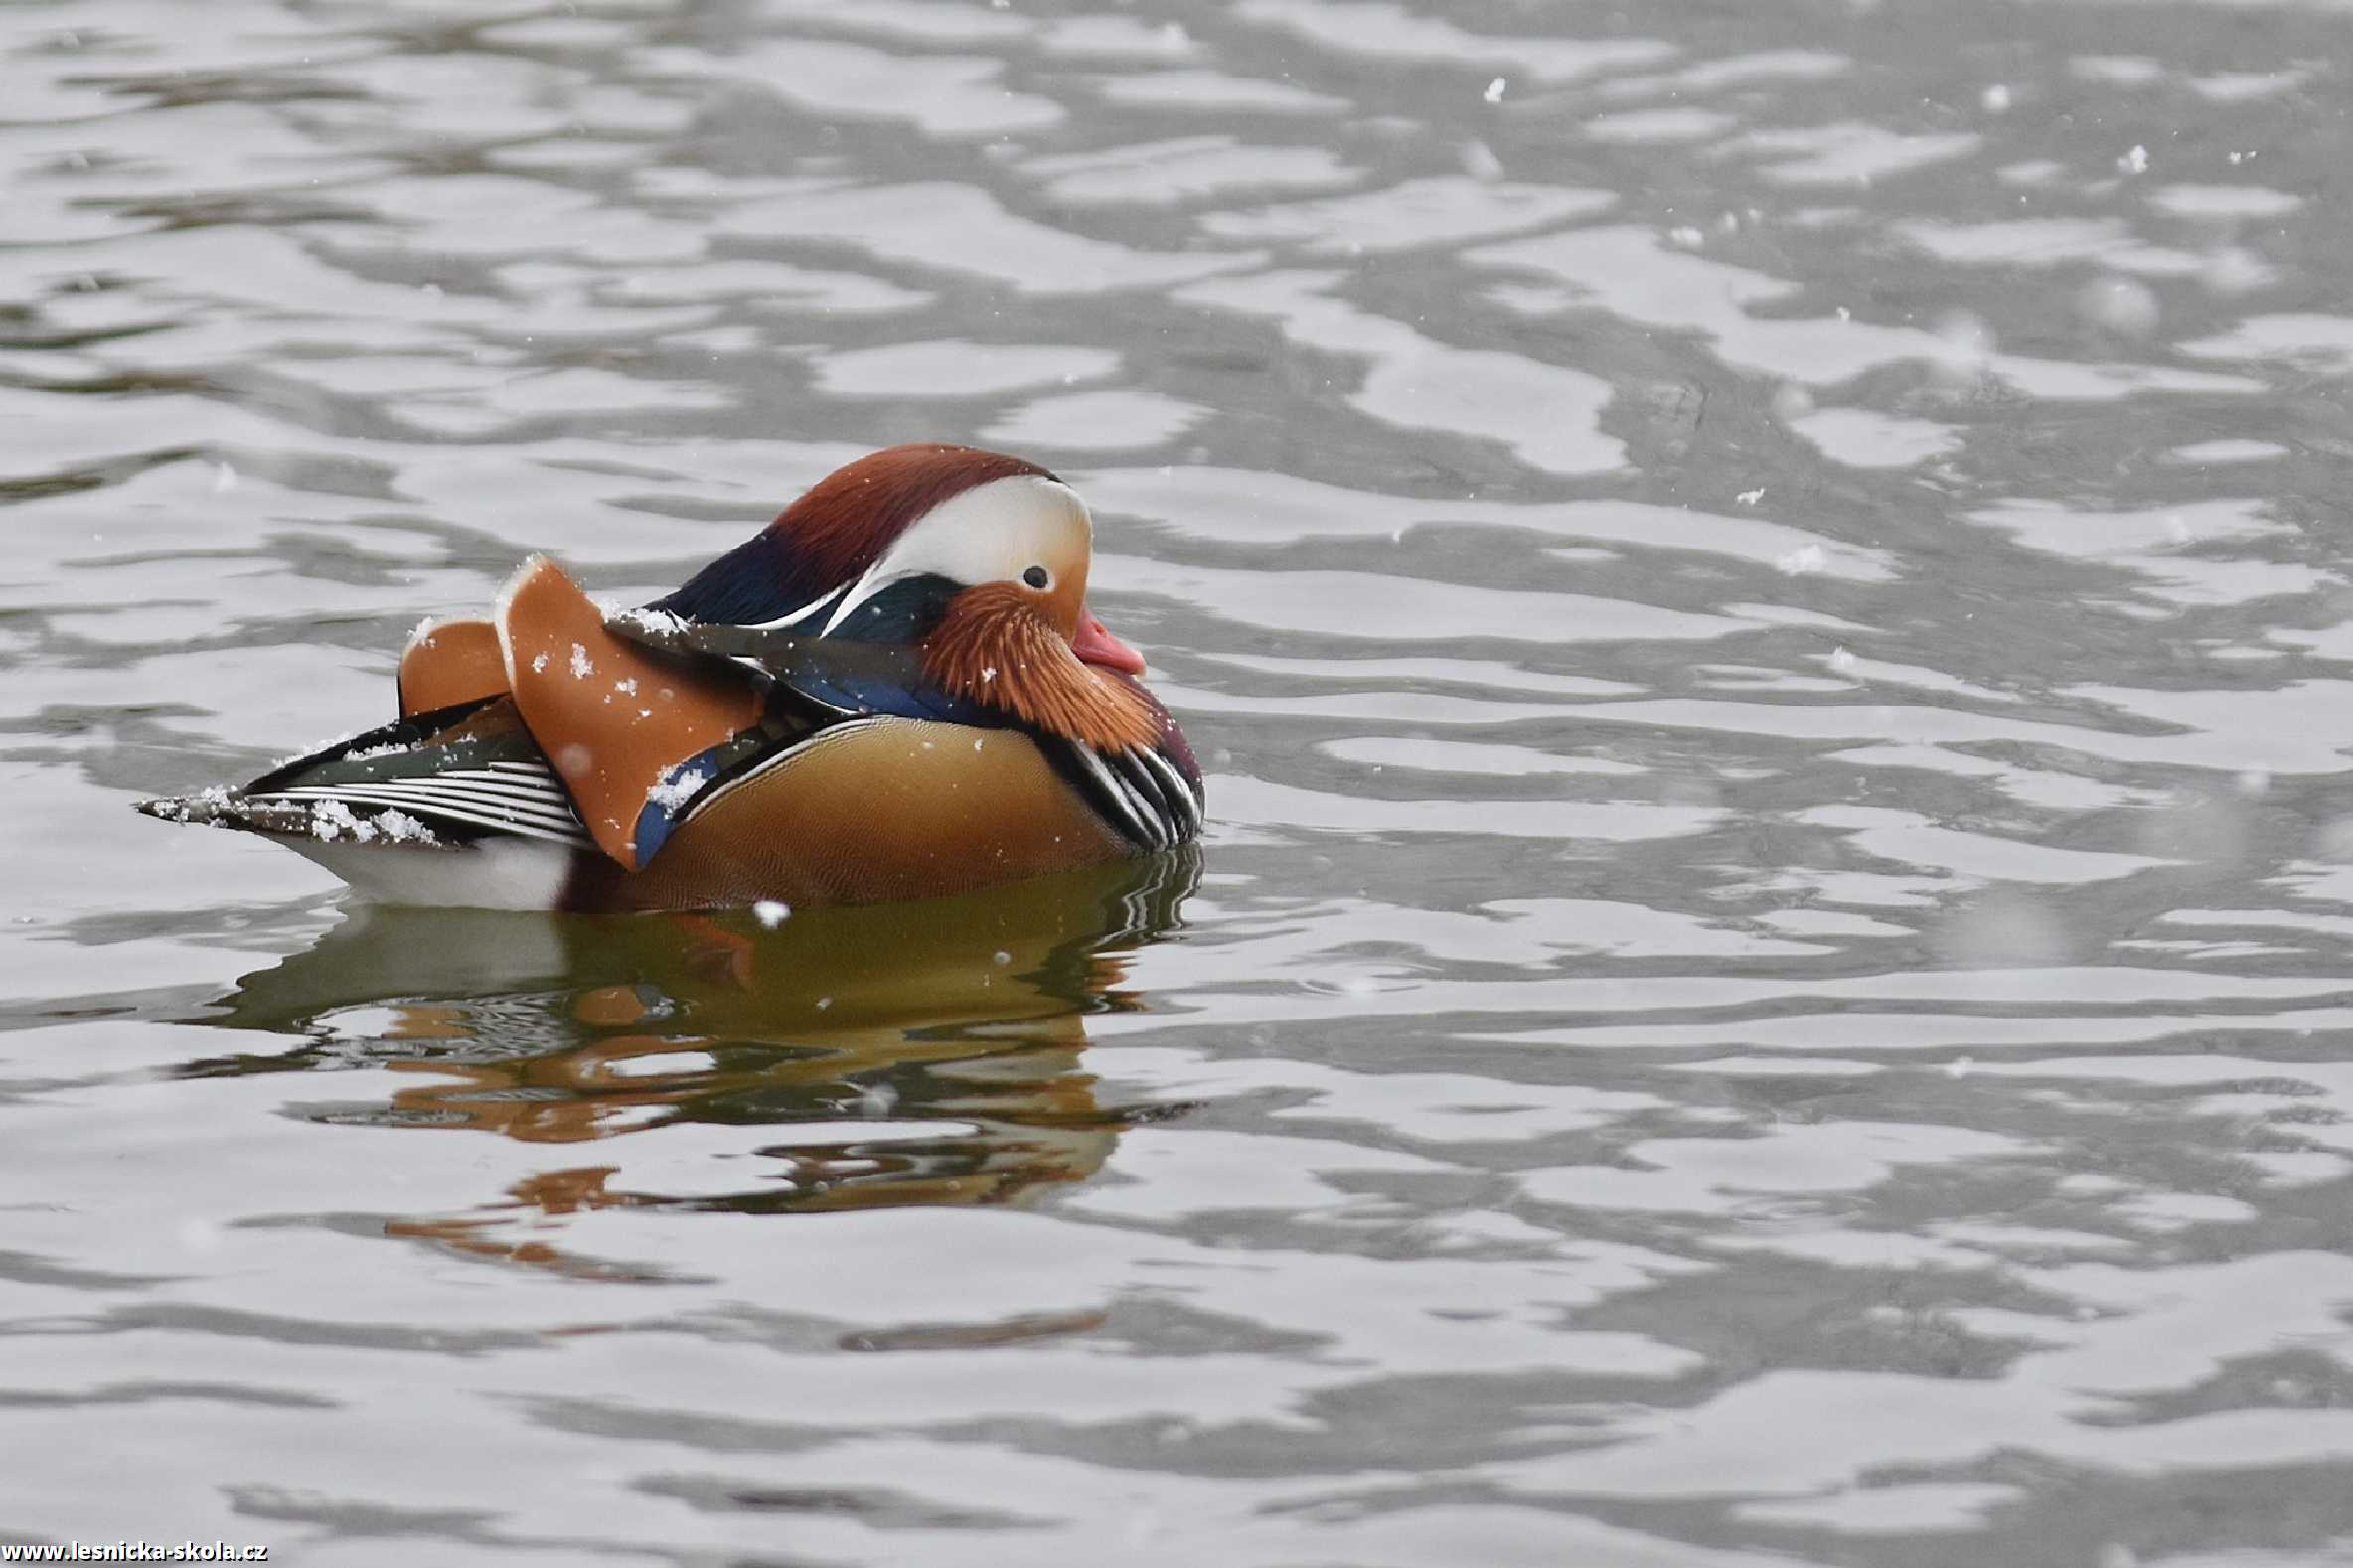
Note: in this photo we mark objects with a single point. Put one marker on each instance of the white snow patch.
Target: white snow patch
(583, 666)
(674, 789)
(539, 664)
(209, 805)
(332, 820)
(654, 622)
(398, 827)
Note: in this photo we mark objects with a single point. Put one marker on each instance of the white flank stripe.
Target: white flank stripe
(1188, 810)
(1116, 790)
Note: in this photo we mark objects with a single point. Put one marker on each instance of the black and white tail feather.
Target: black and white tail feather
(408, 782)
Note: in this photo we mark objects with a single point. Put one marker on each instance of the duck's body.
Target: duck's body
(892, 692)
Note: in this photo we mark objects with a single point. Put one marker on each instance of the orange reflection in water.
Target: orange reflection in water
(917, 1053)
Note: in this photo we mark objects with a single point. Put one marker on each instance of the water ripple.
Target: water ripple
(1761, 595)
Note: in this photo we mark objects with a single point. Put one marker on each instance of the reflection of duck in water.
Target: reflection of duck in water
(894, 691)
(908, 1053)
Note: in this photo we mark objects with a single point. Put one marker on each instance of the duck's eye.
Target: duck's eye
(1038, 578)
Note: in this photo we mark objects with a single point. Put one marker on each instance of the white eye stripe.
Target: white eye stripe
(801, 614)
(991, 533)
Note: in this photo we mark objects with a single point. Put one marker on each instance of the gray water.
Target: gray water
(1762, 589)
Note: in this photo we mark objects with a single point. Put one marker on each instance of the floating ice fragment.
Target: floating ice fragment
(771, 913)
(539, 664)
(2135, 161)
(1495, 91)
(1841, 661)
(1748, 498)
(582, 667)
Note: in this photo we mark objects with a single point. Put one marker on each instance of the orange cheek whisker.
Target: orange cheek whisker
(993, 647)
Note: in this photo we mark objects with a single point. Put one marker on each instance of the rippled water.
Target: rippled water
(1761, 590)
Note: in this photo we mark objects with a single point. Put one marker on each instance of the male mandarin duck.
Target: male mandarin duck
(894, 690)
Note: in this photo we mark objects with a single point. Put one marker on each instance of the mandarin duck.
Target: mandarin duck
(894, 690)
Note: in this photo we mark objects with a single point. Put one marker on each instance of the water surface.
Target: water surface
(1762, 591)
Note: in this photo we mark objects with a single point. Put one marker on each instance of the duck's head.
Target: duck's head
(977, 558)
